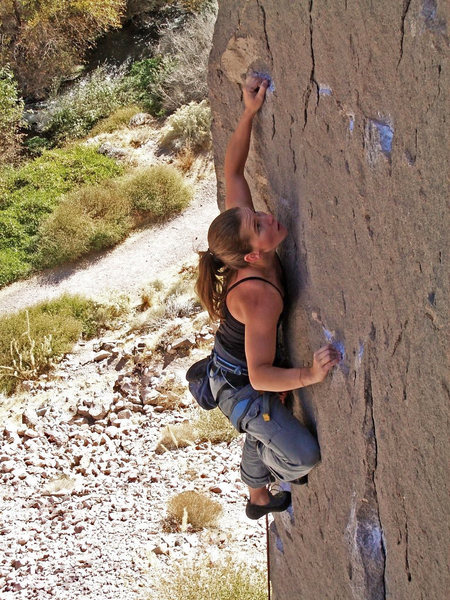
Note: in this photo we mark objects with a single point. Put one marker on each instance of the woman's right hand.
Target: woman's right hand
(254, 93)
(324, 359)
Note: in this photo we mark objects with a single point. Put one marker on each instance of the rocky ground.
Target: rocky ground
(85, 487)
(84, 480)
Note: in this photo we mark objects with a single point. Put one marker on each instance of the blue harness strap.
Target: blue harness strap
(244, 393)
(227, 366)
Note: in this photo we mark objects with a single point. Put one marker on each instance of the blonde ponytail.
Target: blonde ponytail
(224, 257)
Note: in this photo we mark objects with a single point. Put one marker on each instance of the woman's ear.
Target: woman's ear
(252, 257)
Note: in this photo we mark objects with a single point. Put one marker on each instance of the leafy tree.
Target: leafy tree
(11, 111)
(44, 40)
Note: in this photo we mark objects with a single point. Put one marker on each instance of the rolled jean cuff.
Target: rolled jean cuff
(255, 482)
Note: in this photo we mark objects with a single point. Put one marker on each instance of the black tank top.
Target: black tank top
(231, 332)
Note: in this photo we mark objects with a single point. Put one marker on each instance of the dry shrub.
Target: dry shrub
(189, 46)
(91, 218)
(188, 127)
(225, 580)
(213, 426)
(194, 508)
(149, 294)
(176, 436)
(158, 192)
(64, 484)
(46, 40)
(185, 159)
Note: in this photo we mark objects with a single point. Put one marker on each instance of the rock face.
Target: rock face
(349, 153)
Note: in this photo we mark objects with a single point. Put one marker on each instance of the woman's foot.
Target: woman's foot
(276, 503)
(259, 496)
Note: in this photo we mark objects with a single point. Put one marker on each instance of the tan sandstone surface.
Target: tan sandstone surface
(349, 152)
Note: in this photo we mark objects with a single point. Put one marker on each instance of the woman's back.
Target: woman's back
(231, 333)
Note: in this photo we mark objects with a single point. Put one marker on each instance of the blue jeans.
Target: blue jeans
(282, 446)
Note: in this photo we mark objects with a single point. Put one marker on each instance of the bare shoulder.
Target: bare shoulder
(255, 299)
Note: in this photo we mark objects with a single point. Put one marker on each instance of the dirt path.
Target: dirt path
(143, 256)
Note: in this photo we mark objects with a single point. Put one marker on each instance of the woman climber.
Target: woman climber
(240, 281)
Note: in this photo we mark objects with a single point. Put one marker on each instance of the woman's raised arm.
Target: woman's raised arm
(237, 190)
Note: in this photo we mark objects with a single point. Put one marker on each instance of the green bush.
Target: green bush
(226, 580)
(37, 144)
(55, 173)
(88, 219)
(11, 111)
(14, 264)
(158, 192)
(28, 194)
(96, 217)
(32, 339)
(117, 120)
(188, 127)
(73, 114)
(147, 79)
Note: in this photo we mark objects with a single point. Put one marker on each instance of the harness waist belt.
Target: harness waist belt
(228, 366)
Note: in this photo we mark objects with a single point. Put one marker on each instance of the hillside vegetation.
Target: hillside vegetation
(61, 199)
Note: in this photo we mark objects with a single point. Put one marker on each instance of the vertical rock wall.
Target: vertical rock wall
(349, 152)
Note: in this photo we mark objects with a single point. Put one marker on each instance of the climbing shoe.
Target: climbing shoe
(300, 481)
(277, 503)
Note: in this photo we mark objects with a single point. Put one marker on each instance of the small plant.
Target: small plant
(31, 340)
(193, 508)
(176, 436)
(226, 580)
(180, 305)
(188, 127)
